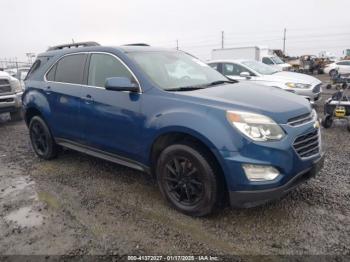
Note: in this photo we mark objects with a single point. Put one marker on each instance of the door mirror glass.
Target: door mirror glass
(245, 74)
(121, 84)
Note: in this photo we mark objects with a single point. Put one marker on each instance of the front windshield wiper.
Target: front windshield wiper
(191, 88)
(185, 88)
(219, 82)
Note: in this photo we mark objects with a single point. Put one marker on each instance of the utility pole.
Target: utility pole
(222, 39)
(177, 44)
(284, 41)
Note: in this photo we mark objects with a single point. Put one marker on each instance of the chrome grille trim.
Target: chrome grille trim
(307, 145)
(302, 119)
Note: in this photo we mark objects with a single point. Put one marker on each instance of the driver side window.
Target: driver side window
(234, 69)
(267, 61)
(103, 66)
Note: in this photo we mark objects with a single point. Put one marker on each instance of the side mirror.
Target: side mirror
(121, 84)
(245, 75)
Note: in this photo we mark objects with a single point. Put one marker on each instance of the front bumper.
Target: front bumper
(246, 199)
(10, 102)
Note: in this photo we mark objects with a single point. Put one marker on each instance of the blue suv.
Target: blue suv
(206, 139)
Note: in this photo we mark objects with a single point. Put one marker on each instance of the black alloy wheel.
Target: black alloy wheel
(187, 180)
(183, 181)
(42, 142)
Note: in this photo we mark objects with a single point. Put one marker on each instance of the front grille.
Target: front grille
(307, 145)
(302, 119)
(317, 89)
(5, 86)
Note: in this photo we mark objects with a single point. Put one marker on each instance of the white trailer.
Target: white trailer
(258, 53)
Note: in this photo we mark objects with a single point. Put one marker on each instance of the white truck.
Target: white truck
(258, 53)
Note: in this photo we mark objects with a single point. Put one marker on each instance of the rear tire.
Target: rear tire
(327, 121)
(16, 116)
(42, 141)
(187, 180)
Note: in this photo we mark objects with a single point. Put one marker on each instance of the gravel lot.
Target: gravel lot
(77, 204)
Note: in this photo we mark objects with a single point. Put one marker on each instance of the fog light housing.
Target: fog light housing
(260, 172)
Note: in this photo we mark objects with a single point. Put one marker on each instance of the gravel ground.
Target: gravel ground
(77, 204)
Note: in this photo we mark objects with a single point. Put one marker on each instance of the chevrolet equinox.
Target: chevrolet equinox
(206, 139)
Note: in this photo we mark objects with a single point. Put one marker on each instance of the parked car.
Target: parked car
(256, 72)
(204, 137)
(257, 53)
(10, 96)
(341, 67)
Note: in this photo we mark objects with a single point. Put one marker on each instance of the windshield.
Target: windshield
(174, 70)
(277, 60)
(260, 67)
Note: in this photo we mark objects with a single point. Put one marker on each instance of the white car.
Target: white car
(257, 72)
(10, 96)
(340, 67)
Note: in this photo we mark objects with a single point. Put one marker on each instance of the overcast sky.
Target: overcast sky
(312, 25)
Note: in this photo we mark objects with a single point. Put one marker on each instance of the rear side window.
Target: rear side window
(39, 62)
(343, 63)
(70, 69)
(103, 66)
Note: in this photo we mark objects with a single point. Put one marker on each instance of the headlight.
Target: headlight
(256, 127)
(297, 85)
(16, 86)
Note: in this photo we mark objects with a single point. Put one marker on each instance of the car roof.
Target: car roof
(239, 61)
(123, 49)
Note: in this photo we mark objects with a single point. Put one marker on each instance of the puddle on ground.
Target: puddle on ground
(25, 217)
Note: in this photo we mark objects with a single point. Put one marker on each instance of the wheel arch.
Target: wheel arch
(169, 137)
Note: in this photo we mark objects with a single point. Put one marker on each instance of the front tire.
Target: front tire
(42, 141)
(187, 180)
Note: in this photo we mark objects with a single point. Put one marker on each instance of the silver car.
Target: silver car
(257, 72)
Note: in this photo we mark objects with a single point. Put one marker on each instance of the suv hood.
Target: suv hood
(273, 102)
(292, 77)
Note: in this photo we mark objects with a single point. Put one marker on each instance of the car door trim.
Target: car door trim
(85, 85)
(102, 154)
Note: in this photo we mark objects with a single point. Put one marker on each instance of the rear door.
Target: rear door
(64, 91)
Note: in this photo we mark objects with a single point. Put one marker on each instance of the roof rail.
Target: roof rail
(79, 44)
(137, 44)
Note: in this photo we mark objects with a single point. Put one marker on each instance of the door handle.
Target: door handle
(48, 90)
(88, 99)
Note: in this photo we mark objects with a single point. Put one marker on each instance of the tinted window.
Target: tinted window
(267, 61)
(103, 66)
(70, 69)
(39, 62)
(234, 69)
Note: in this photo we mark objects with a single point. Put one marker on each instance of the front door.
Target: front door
(112, 119)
